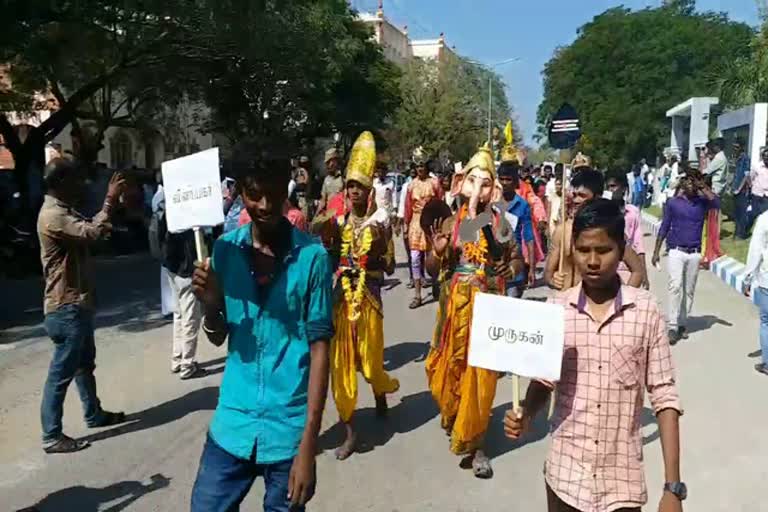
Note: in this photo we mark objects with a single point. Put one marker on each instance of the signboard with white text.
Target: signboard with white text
(193, 191)
(522, 337)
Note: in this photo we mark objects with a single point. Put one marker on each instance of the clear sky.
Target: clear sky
(494, 30)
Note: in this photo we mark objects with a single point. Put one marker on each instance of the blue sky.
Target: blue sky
(494, 30)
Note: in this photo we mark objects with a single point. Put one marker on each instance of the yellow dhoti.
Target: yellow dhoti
(358, 346)
(463, 393)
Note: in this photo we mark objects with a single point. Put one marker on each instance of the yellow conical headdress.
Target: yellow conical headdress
(482, 160)
(509, 152)
(362, 160)
(581, 160)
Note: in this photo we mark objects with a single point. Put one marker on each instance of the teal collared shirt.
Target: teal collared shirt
(263, 398)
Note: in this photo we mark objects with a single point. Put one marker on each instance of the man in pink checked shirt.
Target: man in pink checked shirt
(616, 183)
(616, 347)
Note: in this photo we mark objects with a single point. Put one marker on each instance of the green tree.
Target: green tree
(444, 108)
(626, 68)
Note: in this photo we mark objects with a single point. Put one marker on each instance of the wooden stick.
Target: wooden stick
(563, 199)
(552, 403)
(515, 393)
(202, 250)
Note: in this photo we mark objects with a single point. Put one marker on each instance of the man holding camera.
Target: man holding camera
(682, 226)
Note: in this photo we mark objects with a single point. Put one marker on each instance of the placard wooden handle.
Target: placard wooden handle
(202, 250)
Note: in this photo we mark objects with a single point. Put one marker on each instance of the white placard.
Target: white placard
(519, 336)
(193, 191)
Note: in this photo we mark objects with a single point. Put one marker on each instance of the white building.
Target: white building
(690, 126)
(396, 44)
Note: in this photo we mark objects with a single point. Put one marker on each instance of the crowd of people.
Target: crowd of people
(294, 289)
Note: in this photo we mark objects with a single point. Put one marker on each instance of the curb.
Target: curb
(729, 270)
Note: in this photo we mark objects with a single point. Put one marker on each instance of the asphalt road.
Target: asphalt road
(150, 463)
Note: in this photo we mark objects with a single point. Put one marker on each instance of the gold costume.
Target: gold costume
(366, 252)
(464, 394)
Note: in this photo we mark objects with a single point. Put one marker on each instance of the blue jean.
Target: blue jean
(741, 217)
(224, 480)
(74, 357)
(761, 299)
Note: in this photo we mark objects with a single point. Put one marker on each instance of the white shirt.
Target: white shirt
(403, 195)
(384, 193)
(757, 258)
(549, 191)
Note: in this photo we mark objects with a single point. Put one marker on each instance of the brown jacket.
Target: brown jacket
(64, 239)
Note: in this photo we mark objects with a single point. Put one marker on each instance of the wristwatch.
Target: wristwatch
(679, 489)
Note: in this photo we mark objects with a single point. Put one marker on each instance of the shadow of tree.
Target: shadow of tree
(89, 499)
(412, 412)
(203, 399)
(127, 297)
(397, 356)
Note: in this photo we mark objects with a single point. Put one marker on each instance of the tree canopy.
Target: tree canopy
(627, 68)
(444, 108)
(274, 72)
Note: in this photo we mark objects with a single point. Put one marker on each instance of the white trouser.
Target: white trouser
(167, 295)
(187, 319)
(683, 270)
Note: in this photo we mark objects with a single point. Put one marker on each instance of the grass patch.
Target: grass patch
(735, 248)
(654, 210)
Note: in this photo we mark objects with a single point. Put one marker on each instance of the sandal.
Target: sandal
(66, 445)
(415, 303)
(109, 419)
(411, 285)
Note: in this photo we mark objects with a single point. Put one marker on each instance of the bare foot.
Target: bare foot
(382, 408)
(344, 451)
(481, 465)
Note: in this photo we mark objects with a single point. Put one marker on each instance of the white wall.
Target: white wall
(756, 117)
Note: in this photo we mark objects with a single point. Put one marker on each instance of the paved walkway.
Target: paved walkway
(150, 464)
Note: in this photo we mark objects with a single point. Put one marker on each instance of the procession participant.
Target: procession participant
(464, 394)
(615, 348)
(384, 189)
(68, 300)
(617, 185)
(559, 270)
(420, 191)
(681, 227)
(334, 181)
(400, 226)
(363, 240)
(520, 212)
(267, 290)
(554, 203)
(715, 175)
(740, 190)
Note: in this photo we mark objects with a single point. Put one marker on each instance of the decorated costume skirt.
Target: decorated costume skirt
(464, 394)
(358, 346)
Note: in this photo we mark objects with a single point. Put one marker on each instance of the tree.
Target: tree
(444, 108)
(626, 68)
(78, 55)
(303, 69)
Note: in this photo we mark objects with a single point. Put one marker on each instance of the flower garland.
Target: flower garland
(347, 268)
(475, 252)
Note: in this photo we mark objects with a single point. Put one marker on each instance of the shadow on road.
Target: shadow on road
(90, 499)
(702, 323)
(412, 412)
(497, 444)
(127, 296)
(204, 399)
(397, 356)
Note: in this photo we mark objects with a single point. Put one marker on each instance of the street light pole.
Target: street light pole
(490, 68)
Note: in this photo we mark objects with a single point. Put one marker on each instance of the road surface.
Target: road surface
(150, 464)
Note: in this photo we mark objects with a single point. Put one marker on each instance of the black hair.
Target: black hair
(511, 170)
(618, 176)
(600, 214)
(435, 167)
(590, 179)
(59, 170)
(559, 169)
(250, 167)
(547, 167)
